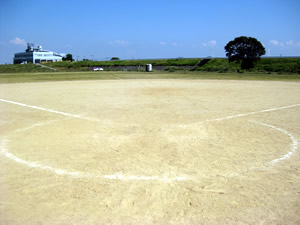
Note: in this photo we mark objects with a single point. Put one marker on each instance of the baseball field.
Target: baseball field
(140, 151)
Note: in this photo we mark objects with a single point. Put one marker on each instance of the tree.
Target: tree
(115, 58)
(246, 50)
(68, 57)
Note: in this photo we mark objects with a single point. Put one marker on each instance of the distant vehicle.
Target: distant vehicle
(97, 69)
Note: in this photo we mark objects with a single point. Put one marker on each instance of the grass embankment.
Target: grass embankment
(285, 69)
(123, 64)
(154, 62)
(221, 65)
(110, 75)
(268, 65)
(22, 68)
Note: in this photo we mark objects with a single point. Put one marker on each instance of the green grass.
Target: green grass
(221, 65)
(217, 65)
(18, 68)
(154, 62)
(105, 75)
(269, 65)
(278, 65)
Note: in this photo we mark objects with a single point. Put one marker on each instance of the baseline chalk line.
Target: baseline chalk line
(119, 176)
(92, 119)
(50, 110)
(252, 113)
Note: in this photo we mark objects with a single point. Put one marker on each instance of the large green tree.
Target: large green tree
(246, 50)
(68, 57)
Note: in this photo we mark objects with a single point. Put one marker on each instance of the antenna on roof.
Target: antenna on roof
(29, 47)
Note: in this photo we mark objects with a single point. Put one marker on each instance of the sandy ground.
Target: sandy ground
(150, 152)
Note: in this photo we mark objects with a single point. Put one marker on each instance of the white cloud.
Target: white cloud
(119, 43)
(276, 43)
(292, 43)
(163, 43)
(211, 43)
(18, 41)
(289, 43)
(176, 44)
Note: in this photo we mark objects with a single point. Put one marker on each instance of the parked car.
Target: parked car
(97, 69)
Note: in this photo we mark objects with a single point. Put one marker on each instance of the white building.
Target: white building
(37, 55)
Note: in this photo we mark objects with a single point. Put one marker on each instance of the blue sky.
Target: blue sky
(132, 29)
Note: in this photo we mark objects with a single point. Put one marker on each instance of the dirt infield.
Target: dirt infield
(150, 152)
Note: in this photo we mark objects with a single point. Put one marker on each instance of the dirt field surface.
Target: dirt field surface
(150, 152)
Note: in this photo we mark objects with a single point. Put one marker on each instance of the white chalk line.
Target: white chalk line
(242, 115)
(32, 164)
(294, 145)
(50, 110)
(120, 176)
(252, 113)
(96, 120)
(77, 174)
